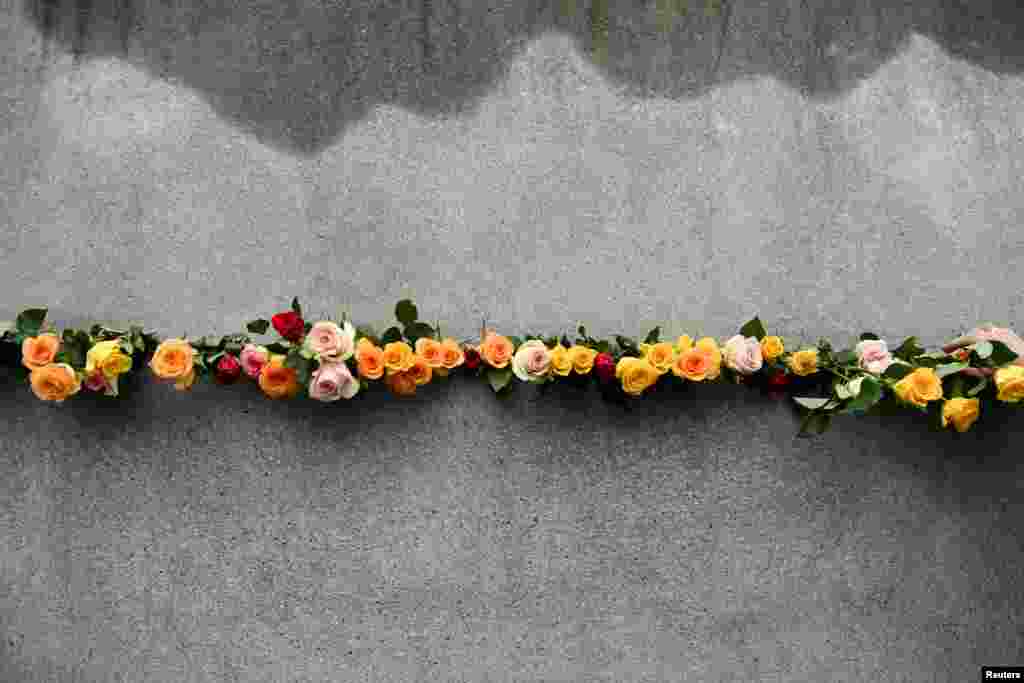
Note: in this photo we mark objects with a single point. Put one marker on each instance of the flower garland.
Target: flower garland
(330, 361)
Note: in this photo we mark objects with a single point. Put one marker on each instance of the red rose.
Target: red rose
(289, 325)
(228, 369)
(604, 366)
(472, 360)
(778, 379)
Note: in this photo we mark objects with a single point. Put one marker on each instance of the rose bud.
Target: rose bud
(289, 325)
(472, 358)
(228, 369)
(604, 367)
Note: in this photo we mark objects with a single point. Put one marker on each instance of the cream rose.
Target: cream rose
(873, 356)
(743, 354)
(532, 361)
(328, 340)
(332, 381)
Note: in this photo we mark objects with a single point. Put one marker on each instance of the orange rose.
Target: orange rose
(55, 382)
(277, 381)
(398, 356)
(401, 383)
(694, 365)
(37, 352)
(173, 359)
(430, 351)
(451, 354)
(369, 359)
(420, 370)
(496, 350)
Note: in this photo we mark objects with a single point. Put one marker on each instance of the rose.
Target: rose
(421, 372)
(108, 358)
(582, 359)
(683, 344)
(327, 340)
(919, 387)
(54, 382)
(174, 360)
(398, 356)
(692, 365)
(743, 354)
(228, 369)
(452, 355)
(472, 358)
(962, 412)
(772, 347)
(660, 355)
(1010, 383)
(430, 351)
(804, 362)
(369, 359)
(277, 381)
(289, 325)
(561, 363)
(778, 379)
(253, 359)
(873, 356)
(709, 346)
(332, 381)
(604, 366)
(986, 333)
(401, 383)
(532, 361)
(38, 352)
(98, 382)
(496, 350)
(636, 374)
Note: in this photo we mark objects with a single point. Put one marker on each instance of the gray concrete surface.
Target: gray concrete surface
(833, 167)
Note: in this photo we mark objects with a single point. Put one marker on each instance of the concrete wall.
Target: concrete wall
(834, 167)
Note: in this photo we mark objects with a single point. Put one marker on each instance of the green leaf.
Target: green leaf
(869, 335)
(234, 348)
(278, 347)
(949, 369)
(405, 312)
(846, 357)
(627, 345)
(296, 307)
(870, 393)
(565, 341)
(258, 326)
(417, 330)
(30, 321)
(812, 403)
(516, 341)
(551, 342)
(582, 331)
(1001, 354)
(908, 350)
(984, 349)
(366, 331)
(392, 334)
(499, 378)
(897, 371)
(653, 336)
(754, 328)
(977, 389)
(602, 346)
(215, 357)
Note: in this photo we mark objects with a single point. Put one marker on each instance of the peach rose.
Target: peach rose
(430, 350)
(54, 382)
(401, 383)
(421, 372)
(692, 365)
(496, 350)
(37, 352)
(277, 381)
(398, 356)
(369, 359)
(452, 355)
(174, 359)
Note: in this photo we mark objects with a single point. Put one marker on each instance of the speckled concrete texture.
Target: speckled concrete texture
(834, 167)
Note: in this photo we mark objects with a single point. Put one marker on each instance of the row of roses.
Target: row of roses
(333, 361)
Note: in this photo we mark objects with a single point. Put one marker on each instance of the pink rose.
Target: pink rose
(333, 380)
(743, 354)
(253, 359)
(873, 356)
(97, 381)
(328, 340)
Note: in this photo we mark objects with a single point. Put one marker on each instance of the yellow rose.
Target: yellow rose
(582, 359)
(637, 374)
(919, 387)
(661, 355)
(54, 382)
(108, 358)
(683, 344)
(772, 347)
(398, 356)
(709, 347)
(962, 412)
(561, 362)
(804, 362)
(1010, 383)
(173, 359)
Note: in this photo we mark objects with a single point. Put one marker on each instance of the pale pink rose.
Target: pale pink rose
(743, 354)
(873, 356)
(253, 359)
(333, 381)
(328, 340)
(1001, 334)
(532, 361)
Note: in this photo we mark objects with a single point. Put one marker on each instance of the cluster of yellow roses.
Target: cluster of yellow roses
(923, 386)
(51, 381)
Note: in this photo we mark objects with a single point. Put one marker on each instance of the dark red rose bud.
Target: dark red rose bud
(289, 325)
(472, 360)
(604, 366)
(778, 379)
(228, 369)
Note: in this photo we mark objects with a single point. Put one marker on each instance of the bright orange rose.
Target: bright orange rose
(420, 370)
(398, 356)
(38, 352)
(430, 350)
(401, 383)
(452, 354)
(55, 382)
(369, 359)
(693, 364)
(174, 359)
(496, 350)
(277, 381)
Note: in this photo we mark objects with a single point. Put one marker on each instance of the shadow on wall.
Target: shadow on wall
(295, 73)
